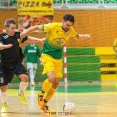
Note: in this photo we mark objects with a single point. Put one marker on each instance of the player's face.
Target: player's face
(66, 25)
(11, 29)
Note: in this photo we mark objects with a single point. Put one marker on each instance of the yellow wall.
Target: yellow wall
(104, 51)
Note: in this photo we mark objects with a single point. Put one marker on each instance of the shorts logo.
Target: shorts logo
(1, 80)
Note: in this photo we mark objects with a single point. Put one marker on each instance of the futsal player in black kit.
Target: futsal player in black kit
(11, 61)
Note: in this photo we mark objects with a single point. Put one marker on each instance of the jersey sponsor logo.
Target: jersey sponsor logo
(35, 47)
(18, 40)
(59, 42)
(31, 51)
(1, 80)
(6, 36)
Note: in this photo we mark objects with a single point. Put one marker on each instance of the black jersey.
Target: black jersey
(21, 54)
(11, 55)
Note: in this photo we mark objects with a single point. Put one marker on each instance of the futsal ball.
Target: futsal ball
(68, 107)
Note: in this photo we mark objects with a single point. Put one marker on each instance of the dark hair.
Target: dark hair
(68, 17)
(9, 21)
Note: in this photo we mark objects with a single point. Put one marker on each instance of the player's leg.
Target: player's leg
(48, 68)
(22, 74)
(49, 94)
(22, 87)
(46, 84)
(3, 95)
(34, 73)
(31, 73)
(5, 78)
(54, 78)
(51, 90)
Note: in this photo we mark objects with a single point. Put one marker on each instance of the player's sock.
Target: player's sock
(40, 98)
(4, 101)
(46, 85)
(49, 94)
(34, 71)
(3, 97)
(31, 75)
(22, 87)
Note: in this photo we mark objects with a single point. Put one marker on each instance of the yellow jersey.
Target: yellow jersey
(56, 38)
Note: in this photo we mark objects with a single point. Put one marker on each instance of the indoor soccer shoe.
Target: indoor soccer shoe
(22, 98)
(45, 109)
(4, 108)
(40, 99)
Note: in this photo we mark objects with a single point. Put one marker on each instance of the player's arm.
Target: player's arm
(31, 29)
(30, 38)
(75, 35)
(2, 47)
(36, 39)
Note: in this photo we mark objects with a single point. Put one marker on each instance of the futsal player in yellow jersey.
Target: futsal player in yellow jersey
(56, 37)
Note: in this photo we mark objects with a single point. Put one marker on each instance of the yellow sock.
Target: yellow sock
(46, 85)
(49, 94)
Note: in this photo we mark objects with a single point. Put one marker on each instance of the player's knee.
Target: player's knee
(55, 84)
(51, 78)
(4, 88)
(24, 78)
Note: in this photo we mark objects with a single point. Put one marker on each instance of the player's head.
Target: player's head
(10, 25)
(68, 21)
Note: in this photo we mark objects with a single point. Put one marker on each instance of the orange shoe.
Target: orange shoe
(40, 100)
(45, 109)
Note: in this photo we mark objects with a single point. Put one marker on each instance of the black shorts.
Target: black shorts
(9, 73)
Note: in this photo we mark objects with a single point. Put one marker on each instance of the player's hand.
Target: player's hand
(8, 46)
(87, 36)
(42, 40)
